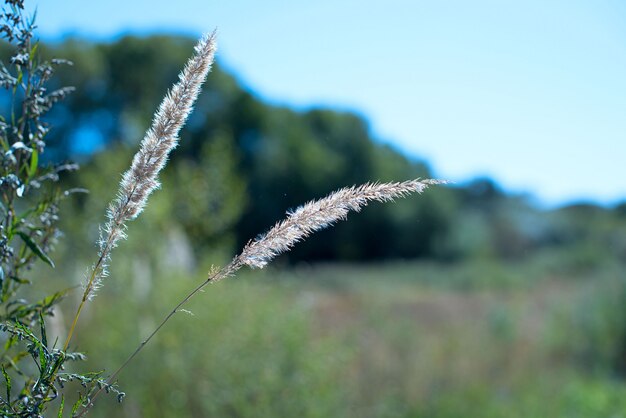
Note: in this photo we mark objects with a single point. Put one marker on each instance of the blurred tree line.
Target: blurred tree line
(242, 163)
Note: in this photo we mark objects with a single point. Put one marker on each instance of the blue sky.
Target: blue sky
(532, 93)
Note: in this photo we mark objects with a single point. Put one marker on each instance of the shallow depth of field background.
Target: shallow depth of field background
(470, 300)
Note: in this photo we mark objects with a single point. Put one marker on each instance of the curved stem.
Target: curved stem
(216, 276)
(82, 303)
(89, 287)
(84, 299)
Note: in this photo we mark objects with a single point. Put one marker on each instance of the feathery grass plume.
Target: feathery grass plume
(141, 179)
(319, 214)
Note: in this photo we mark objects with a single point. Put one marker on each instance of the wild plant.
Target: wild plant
(30, 197)
(30, 200)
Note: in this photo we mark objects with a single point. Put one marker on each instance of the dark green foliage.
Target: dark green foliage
(30, 196)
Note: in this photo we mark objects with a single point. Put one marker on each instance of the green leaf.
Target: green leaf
(60, 414)
(33, 52)
(51, 300)
(43, 360)
(77, 404)
(8, 380)
(20, 280)
(20, 310)
(18, 219)
(19, 356)
(20, 77)
(10, 342)
(42, 325)
(35, 248)
(57, 364)
(34, 160)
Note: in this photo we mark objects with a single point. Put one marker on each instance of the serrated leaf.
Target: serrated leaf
(35, 248)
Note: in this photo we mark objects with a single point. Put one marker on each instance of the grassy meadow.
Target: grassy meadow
(405, 339)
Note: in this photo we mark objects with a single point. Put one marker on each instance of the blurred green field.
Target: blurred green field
(386, 340)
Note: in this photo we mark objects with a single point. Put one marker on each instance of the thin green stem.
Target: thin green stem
(83, 300)
(213, 277)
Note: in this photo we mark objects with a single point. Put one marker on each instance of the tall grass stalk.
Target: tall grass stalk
(141, 179)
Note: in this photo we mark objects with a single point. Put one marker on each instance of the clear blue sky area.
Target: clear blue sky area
(532, 93)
